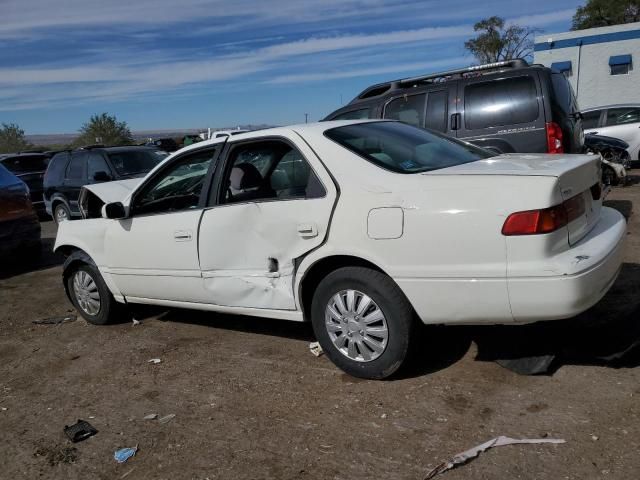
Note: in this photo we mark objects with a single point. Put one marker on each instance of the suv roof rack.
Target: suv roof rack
(91, 147)
(439, 77)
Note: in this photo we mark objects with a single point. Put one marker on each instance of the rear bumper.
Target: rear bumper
(590, 267)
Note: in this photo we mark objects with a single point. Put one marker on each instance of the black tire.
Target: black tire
(61, 207)
(395, 307)
(109, 311)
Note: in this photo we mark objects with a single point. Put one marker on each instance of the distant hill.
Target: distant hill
(138, 135)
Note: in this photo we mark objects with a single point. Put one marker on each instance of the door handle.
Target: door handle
(182, 235)
(307, 230)
(455, 121)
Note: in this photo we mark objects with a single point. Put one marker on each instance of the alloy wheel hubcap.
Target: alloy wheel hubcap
(86, 292)
(61, 215)
(356, 325)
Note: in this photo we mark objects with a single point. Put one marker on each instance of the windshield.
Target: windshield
(134, 162)
(403, 148)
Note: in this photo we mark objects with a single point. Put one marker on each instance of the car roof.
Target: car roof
(124, 148)
(615, 105)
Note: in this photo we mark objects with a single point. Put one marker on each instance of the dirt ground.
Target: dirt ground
(250, 401)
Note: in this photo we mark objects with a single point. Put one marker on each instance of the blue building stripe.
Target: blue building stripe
(587, 40)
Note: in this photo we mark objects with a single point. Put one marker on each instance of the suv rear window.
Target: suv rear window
(403, 148)
(353, 114)
(509, 101)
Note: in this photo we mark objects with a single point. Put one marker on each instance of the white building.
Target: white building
(599, 62)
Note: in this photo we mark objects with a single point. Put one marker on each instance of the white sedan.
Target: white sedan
(361, 227)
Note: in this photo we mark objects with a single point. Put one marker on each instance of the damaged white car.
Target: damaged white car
(361, 227)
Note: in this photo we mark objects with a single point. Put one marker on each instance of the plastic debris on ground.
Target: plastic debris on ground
(154, 360)
(315, 348)
(81, 430)
(55, 320)
(466, 456)
(136, 322)
(125, 454)
(151, 416)
(166, 418)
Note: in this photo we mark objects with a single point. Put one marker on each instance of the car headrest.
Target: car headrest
(245, 176)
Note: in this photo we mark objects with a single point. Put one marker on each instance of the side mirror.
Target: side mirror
(114, 210)
(101, 177)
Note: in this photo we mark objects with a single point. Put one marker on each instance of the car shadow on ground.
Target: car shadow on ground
(606, 335)
(625, 207)
(21, 262)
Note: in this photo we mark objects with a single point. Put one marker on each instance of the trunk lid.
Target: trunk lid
(578, 180)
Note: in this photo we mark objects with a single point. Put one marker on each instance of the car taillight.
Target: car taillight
(546, 220)
(554, 138)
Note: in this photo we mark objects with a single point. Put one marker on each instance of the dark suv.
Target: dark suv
(30, 168)
(69, 171)
(507, 106)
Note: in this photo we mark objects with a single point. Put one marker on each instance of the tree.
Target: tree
(496, 42)
(12, 139)
(600, 13)
(104, 129)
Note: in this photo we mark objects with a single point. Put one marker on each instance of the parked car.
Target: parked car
(165, 144)
(615, 157)
(505, 106)
(19, 225)
(360, 227)
(618, 121)
(30, 168)
(68, 171)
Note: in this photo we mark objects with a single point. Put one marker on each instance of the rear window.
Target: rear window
(135, 162)
(408, 109)
(26, 164)
(403, 148)
(509, 101)
(359, 114)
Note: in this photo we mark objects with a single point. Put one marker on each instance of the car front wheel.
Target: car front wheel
(61, 213)
(363, 322)
(91, 296)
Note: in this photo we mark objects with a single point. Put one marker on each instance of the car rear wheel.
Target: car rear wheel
(91, 296)
(61, 213)
(363, 322)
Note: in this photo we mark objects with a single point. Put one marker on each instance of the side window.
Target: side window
(353, 114)
(76, 168)
(269, 170)
(57, 167)
(436, 118)
(510, 101)
(408, 109)
(177, 187)
(590, 119)
(96, 163)
(622, 116)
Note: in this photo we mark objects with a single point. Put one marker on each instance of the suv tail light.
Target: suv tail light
(554, 138)
(546, 220)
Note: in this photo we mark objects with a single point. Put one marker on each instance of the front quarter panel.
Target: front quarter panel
(89, 236)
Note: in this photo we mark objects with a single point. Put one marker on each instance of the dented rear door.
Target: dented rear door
(249, 250)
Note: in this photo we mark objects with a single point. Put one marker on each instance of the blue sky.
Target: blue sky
(194, 63)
